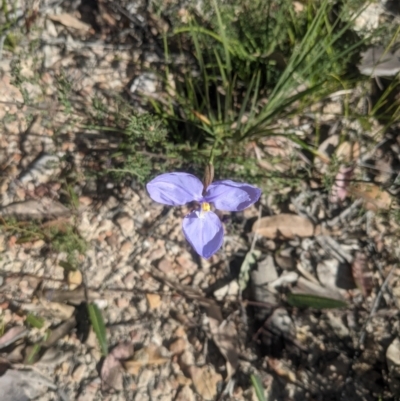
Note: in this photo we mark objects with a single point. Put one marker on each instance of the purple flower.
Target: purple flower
(202, 227)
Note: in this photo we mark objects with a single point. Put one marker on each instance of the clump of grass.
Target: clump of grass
(245, 78)
(144, 138)
(262, 34)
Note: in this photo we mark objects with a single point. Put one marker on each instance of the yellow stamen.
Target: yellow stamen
(205, 207)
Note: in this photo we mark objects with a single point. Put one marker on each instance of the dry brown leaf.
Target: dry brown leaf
(201, 117)
(205, 381)
(282, 370)
(111, 370)
(12, 335)
(151, 355)
(374, 197)
(55, 309)
(178, 346)
(348, 151)
(61, 331)
(70, 21)
(284, 226)
(185, 394)
(225, 337)
(154, 301)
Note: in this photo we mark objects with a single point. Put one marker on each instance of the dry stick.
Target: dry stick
(374, 308)
(99, 290)
(329, 243)
(342, 216)
(253, 242)
(378, 263)
(253, 245)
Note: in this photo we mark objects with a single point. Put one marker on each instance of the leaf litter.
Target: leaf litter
(152, 355)
(111, 369)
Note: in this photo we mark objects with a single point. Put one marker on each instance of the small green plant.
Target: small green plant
(64, 88)
(142, 135)
(19, 79)
(69, 241)
(58, 237)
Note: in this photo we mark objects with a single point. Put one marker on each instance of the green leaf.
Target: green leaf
(96, 318)
(258, 387)
(34, 321)
(314, 301)
(249, 260)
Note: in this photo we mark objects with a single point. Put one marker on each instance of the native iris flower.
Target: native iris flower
(202, 227)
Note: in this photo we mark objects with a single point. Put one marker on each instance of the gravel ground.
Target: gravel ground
(177, 327)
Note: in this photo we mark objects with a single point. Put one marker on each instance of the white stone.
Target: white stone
(145, 83)
(369, 18)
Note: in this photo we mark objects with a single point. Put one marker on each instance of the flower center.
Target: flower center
(205, 207)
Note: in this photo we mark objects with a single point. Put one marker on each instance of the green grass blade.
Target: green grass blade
(224, 39)
(314, 301)
(244, 107)
(258, 387)
(32, 355)
(34, 321)
(96, 318)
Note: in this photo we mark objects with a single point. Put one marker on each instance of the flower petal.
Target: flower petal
(232, 196)
(175, 189)
(204, 232)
